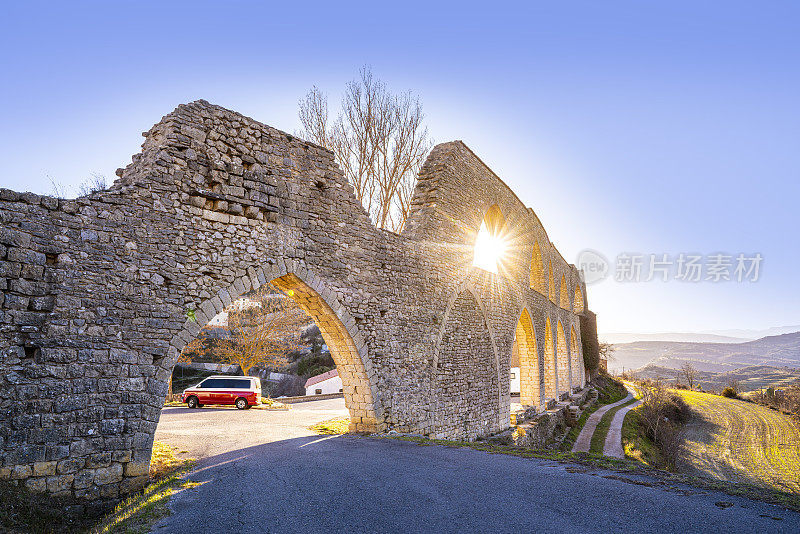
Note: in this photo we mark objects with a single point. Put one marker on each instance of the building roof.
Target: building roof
(321, 378)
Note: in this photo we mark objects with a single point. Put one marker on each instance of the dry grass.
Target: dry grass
(137, 513)
(164, 461)
(332, 426)
(742, 442)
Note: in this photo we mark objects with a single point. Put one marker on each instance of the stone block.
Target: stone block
(44, 469)
(137, 468)
(70, 465)
(108, 475)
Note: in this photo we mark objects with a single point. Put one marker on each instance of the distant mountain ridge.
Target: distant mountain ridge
(776, 351)
(691, 337)
(707, 336)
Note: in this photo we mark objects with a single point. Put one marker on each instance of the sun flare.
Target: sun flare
(489, 250)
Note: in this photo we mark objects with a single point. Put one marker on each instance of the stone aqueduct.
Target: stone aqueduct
(97, 291)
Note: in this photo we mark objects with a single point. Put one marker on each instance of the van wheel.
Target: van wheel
(241, 403)
(192, 402)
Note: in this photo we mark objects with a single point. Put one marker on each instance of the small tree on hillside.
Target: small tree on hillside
(689, 373)
(264, 329)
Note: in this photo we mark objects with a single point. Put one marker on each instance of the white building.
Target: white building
(513, 377)
(325, 383)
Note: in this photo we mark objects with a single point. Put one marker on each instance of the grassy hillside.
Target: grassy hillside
(748, 378)
(775, 351)
(740, 441)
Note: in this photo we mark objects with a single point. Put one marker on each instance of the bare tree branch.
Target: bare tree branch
(379, 140)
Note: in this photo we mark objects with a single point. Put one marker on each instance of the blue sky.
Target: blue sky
(628, 127)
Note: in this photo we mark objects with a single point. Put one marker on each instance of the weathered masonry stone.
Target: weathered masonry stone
(99, 295)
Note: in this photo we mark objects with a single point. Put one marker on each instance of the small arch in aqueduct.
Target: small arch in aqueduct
(563, 299)
(577, 306)
(538, 282)
(576, 357)
(563, 363)
(550, 378)
(526, 357)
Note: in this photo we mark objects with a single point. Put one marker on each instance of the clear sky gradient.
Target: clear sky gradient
(627, 126)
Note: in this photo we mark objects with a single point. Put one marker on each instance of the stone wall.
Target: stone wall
(100, 293)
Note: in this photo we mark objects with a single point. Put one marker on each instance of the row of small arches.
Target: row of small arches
(543, 282)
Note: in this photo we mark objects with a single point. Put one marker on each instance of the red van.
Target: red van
(241, 391)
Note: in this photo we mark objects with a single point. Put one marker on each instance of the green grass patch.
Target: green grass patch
(637, 445)
(609, 390)
(573, 433)
(601, 431)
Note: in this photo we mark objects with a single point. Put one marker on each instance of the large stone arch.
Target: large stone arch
(527, 352)
(338, 328)
(466, 382)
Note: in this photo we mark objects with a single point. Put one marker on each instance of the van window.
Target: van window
(318, 392)
(216, 383)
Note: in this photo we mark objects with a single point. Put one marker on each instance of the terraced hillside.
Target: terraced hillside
(741, 442)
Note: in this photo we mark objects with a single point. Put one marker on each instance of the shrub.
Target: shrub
(729, 392)
(662, 415)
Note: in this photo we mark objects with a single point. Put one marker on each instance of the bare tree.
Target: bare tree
(379, 141)
(733, 384)
(690, 373)
(606, 351)
(264, 329)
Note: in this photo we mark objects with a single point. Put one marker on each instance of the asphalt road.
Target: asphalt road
(348, 484)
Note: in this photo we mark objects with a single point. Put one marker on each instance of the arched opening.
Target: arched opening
(563, 297)
(551, 292)
(577, 363)
(466, 380)
(564, 384)
(328, 350)
(349, 363)
(491, 242)
(549, 362)
(524, 371)
(578, 305)
(538, 282)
